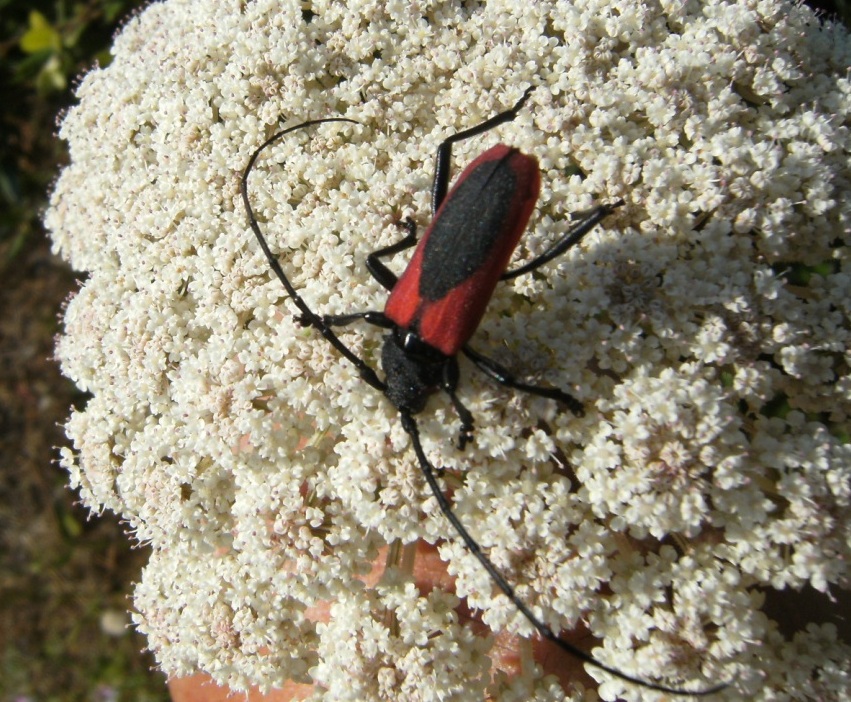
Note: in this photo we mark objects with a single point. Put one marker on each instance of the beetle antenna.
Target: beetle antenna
(309, 318)
(428, 471)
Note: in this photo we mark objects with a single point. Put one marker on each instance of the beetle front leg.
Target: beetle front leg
(341, 320)
(503, 376)
(449, 385)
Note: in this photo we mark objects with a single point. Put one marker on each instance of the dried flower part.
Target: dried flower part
(706, 328)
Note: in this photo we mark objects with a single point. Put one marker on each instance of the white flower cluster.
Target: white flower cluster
(705, 326)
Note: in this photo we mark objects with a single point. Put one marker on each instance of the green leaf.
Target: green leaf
(41, 35)
(112, 9)
(103, 58)
(51, 77)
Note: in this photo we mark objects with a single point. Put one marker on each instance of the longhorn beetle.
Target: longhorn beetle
(436, 305)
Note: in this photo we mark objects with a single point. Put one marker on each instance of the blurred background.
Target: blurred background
(65, 575)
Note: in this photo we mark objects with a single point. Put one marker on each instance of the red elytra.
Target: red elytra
(444, 291)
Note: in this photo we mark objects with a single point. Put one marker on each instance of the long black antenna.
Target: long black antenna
(410, 426)
(310, 318)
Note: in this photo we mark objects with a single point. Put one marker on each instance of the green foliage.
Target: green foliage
(43, 46)
(53, 49)
(61, 571)
(41, 35)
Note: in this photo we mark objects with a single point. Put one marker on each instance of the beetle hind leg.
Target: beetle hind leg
(443, 159)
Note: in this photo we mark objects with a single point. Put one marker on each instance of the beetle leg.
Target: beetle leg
(440, 185)
(503, 376)
(374, 265)
(449, 384)
(570, 239)
(382, 274)
(341, 320)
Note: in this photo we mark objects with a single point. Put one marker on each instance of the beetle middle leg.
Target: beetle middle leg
(376, 266)
(382, 274)
(572, 237)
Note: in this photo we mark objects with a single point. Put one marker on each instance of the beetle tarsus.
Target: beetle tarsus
(465, 436)
(308, 320)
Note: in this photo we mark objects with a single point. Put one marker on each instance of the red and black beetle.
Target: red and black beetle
(436, 305)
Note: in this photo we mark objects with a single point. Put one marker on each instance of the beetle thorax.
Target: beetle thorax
(413, 370)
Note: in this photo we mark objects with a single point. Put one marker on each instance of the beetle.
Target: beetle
(436, 305)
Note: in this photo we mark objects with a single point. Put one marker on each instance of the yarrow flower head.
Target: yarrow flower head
(705, 326)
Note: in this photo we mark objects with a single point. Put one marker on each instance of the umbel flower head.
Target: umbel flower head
(705, 327)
